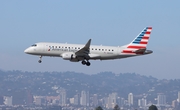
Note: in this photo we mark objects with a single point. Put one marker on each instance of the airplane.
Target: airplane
(84, 53)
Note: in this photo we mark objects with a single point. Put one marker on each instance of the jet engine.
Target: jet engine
(68, 56)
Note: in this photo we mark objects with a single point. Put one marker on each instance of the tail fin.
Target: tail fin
(138, 45)
(141, 40)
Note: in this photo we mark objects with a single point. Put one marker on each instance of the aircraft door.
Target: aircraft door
(118, 50)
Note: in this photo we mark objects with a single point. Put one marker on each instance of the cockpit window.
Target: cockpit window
(34, 45)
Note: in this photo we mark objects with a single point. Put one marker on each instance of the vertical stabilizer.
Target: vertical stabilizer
(140, 42)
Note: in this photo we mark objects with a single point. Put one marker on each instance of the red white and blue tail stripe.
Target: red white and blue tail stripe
(139, 43)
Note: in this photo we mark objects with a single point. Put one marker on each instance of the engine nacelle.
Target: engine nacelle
(68, 56)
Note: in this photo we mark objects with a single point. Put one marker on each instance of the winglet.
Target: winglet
(88, 44)
(85, 49)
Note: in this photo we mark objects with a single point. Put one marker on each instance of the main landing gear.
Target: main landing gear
(40, 60)
(87, 63)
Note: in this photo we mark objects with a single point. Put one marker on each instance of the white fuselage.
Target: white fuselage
(57, 49)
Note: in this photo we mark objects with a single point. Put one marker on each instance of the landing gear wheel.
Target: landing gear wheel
(88, 63)
(83, 62)
(39, 61)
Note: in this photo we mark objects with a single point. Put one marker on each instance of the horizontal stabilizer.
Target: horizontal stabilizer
(140, 51)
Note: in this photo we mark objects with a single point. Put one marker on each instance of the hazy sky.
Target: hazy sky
(115, 23)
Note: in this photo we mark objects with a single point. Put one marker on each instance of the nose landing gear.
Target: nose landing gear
(40, 60)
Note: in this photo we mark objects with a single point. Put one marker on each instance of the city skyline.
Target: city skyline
(74, 90)
(108, 102)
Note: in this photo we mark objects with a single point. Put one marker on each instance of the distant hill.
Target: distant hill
(45, 83)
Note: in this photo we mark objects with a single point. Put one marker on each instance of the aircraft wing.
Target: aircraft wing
(84, 51)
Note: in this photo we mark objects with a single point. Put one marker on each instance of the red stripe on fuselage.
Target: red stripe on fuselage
(127, 51)
(131, 52)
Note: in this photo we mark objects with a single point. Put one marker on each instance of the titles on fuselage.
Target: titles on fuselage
(70, 49)
(59, 49)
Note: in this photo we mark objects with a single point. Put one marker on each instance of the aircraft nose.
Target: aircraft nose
(28, 50)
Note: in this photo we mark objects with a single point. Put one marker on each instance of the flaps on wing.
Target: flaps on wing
(140, 51)
(85, 50)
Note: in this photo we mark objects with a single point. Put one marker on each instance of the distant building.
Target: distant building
(38, 100)
(87, 98)
(52, 99)
(130, 99)
(161, 99)
(179, 96)
(55, 102)
(29, 98)
(62, 97)
(95, 100)
(174, 103)
(111, 101)
(76, 100)
(8, 101)
(113, 98)
(121, 101)
(142, 102)
(71, 100)
(105, 101)
(83, 98)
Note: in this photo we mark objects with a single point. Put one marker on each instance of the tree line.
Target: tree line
(152, 107)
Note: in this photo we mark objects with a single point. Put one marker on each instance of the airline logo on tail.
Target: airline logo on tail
(138, 45)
